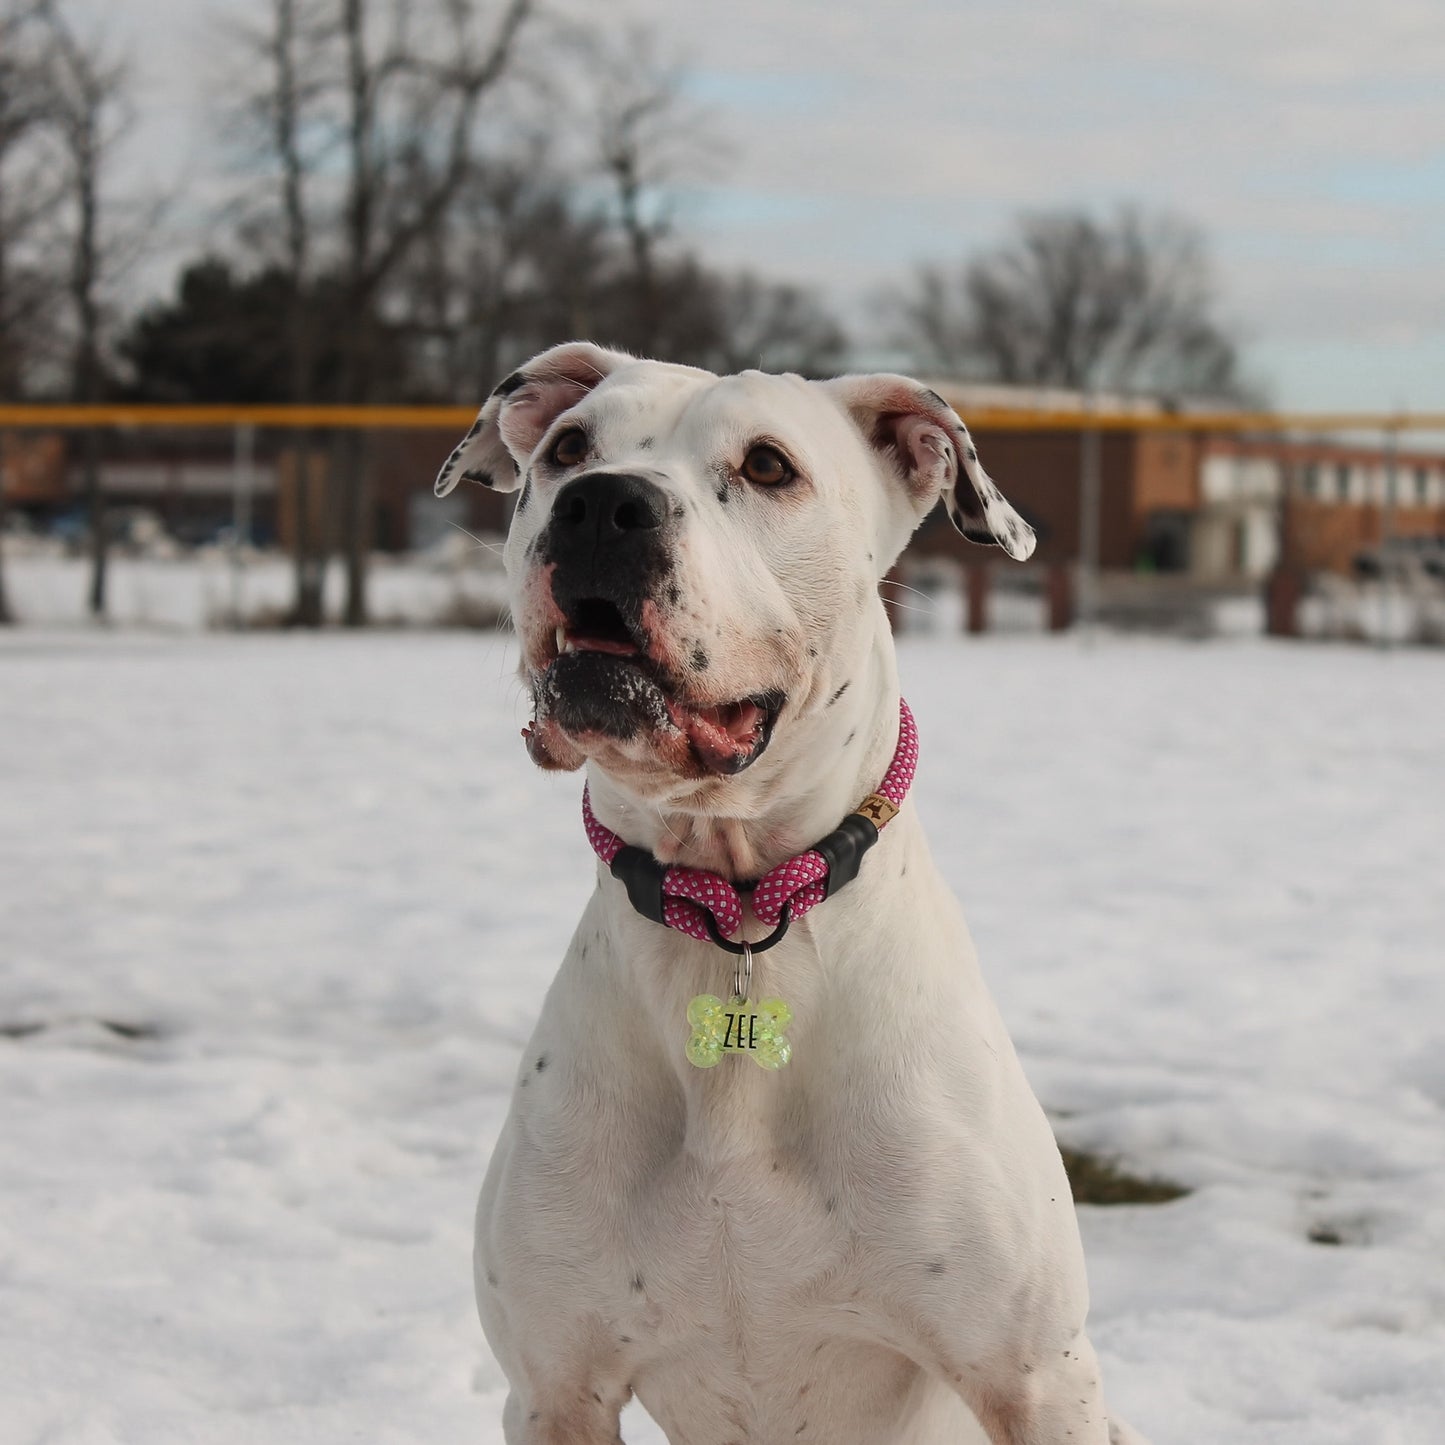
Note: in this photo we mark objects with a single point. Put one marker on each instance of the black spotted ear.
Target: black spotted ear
(518, 413)
(929, 445)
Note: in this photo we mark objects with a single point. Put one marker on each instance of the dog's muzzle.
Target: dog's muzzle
(609, 544)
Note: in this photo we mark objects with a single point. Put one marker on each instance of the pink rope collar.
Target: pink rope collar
(692, 898)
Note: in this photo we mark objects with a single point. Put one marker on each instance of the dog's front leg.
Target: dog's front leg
(562, 1417)
(1057, 1401)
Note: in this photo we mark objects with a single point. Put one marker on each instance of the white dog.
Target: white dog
(869, 1240)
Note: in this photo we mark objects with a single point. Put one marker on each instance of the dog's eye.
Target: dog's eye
(766, 466)
(570, 447)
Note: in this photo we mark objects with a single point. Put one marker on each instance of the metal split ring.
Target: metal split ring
(761, 946)
(743, 973)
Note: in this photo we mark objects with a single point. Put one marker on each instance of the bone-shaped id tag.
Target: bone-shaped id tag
(738, 1027)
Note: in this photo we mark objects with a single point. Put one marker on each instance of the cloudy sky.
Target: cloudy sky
(1306, 136)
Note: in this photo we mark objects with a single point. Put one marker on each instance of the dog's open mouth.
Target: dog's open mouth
(599, 678)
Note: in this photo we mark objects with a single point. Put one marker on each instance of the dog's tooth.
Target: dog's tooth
(562, 640)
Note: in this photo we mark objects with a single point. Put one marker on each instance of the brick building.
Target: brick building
(1212, 507)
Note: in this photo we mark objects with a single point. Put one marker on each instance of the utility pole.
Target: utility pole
(1387, 531)
(243, 483)
(1089, 495)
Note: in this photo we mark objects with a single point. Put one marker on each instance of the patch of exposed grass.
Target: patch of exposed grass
(1099, 1180)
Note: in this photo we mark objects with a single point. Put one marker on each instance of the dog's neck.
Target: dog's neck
(796, 794)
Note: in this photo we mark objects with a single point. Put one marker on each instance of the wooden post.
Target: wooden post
(1090, 489)
(1061, 597)
(1281, 601)
(1283, 586)
(978, 580)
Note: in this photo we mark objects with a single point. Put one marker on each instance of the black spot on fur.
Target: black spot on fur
(723, 494)
(637, 1283)
(934, 397)
(492, 1279)
(850, 737)
(936, 1266)
(624, 1339)
(700, 659)
(484, 478)
(973, 454)
(526, 494)
(829, 1205)
(507, 387)
(840, 692)
(646, 444)
(541, 1062)
(673, 594)
(812, 652)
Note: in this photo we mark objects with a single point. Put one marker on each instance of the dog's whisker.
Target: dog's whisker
(490, 546)
(894, 582)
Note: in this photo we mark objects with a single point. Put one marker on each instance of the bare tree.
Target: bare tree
(516, 265)
(648, 135)
(1073, 301)
(397, 96)
(775, 326)
(29, 193)
(291, 49)
(87, 92)
(27, 199)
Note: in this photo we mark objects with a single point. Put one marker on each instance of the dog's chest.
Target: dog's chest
(735, 1233)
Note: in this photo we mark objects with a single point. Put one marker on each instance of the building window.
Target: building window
(1422, 484)
(1342, 479)
(1310, 479)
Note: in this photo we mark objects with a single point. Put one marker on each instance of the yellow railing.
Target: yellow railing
(320, 418)
(459, 418)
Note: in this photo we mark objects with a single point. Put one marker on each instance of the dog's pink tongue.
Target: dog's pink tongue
(721, 734)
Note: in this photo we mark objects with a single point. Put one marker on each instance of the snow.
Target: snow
(211, 588)
(319, 887)
(460, 582)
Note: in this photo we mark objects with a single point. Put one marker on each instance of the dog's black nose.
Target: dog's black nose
(606, 516)
(606, 505)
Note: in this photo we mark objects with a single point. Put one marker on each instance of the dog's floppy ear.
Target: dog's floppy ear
(520, 410)
(924, 439)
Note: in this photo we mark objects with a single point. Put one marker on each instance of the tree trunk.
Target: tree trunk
(99, 522)
(309, 543)
(353, 481)
(6, 616)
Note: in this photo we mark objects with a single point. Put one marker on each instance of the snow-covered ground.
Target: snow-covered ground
(276, 913)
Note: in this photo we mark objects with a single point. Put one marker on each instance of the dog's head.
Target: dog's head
(694, 559)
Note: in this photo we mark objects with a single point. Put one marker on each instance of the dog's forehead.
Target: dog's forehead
(666, 406)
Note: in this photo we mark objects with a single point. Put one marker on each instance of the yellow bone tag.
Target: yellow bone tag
(738, 1027)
